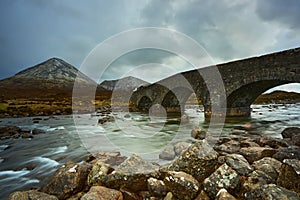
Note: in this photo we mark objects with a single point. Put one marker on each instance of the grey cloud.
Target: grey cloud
(285, 12)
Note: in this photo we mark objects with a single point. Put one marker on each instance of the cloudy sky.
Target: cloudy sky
(35, 30)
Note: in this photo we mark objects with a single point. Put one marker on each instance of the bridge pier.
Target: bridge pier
(230, 112)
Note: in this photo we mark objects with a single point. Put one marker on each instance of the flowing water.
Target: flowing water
(24, 163)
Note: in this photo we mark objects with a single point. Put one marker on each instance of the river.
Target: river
(24, 163)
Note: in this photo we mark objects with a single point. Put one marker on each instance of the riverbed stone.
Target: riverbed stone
(182, 185)
(223, 194)
(102, 193)
(68, 180)
(180, 147)
(9, 132)
(289, 176)
(271, 191)
(132, 174)
(255, 153)
(31, 195)
(287, 153)
(168, 153)
(199, 160)
(254, 180)
(267, 161)
(198, 133)
(224, 177)
(113, 158)
(276, 143)
(229, 147)
(37, 131)
(156, 187)
(239, 164)
(290, 132)
(99, 169)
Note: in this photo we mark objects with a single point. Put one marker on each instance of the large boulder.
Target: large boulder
(289, 176)
(68, 180)
(239, 164)
(168, 153)
(180, 147)
(224, 177)
(99, 169)
(199, 160)
(156, 187)
(287, 153)
(255, 153)
(132, 174)
(271, 191)
(290, 132)
(198, 133)
(182, 185)
(102, 193)
(31, 195)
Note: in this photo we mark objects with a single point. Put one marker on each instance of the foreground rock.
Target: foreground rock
(238, 163)
(31, 195)
(102, 193)
(223, 178)
(182, 185)
(68, 180)
(271, 191)
(198, 133)
(289, 176)
(199, 160)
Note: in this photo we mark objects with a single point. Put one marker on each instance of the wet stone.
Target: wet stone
(287, 153)
(102, 193)
(99, 169)
(199, 160)
(268, 161)
(224, 177)
(156, 187)
(180, 147)
(68, 180)
(239, 164)
(255, 153)
(223, 194)
(31, 195)
(289, 176)
(168, 153)
(182, 185)
(271, 191)
(228, 147)
(290, 132)
(198, 133)
(272, 142)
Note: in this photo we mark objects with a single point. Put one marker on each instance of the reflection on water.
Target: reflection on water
(24, 163)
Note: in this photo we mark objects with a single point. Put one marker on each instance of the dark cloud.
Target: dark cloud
(287, 13)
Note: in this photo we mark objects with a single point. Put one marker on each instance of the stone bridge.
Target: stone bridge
(232, 86)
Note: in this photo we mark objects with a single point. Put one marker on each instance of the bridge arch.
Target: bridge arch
(144, 103)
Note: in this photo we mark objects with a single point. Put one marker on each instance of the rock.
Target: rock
(272, 142)
(199, 160)
(224, 177)
(184, 118)
(247, 127)
(224, 195)
(27, 135)
(248, 143)
(271, 192)
(287, 153)
(9, 131)
(68, 180)
(290, 132)
(106, 119)
(102, 193)
(228, 147)
(202, 196)
(182, 185)
(238, 163)
(198, 133)
(97, 172)
(296, 140)
(111, 158)
(289, 176)
(169, 196)
(132, 174)
(255, 153)
(127, 115)
(268, 170)
(128, 194)
(37, 131)
(156, 187)
(268, 161)
(168, 153)
(256, 179)
(180, 147)
(76, 196)
(31, 195)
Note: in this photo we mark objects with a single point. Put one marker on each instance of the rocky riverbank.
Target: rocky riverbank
(235, 167)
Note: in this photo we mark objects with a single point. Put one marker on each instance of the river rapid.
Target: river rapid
(25, 163)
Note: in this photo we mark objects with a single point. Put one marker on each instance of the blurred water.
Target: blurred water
(24, 163)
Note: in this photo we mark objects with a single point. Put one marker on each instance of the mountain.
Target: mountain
(125, 84)
(53, 73)
(49, 78)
